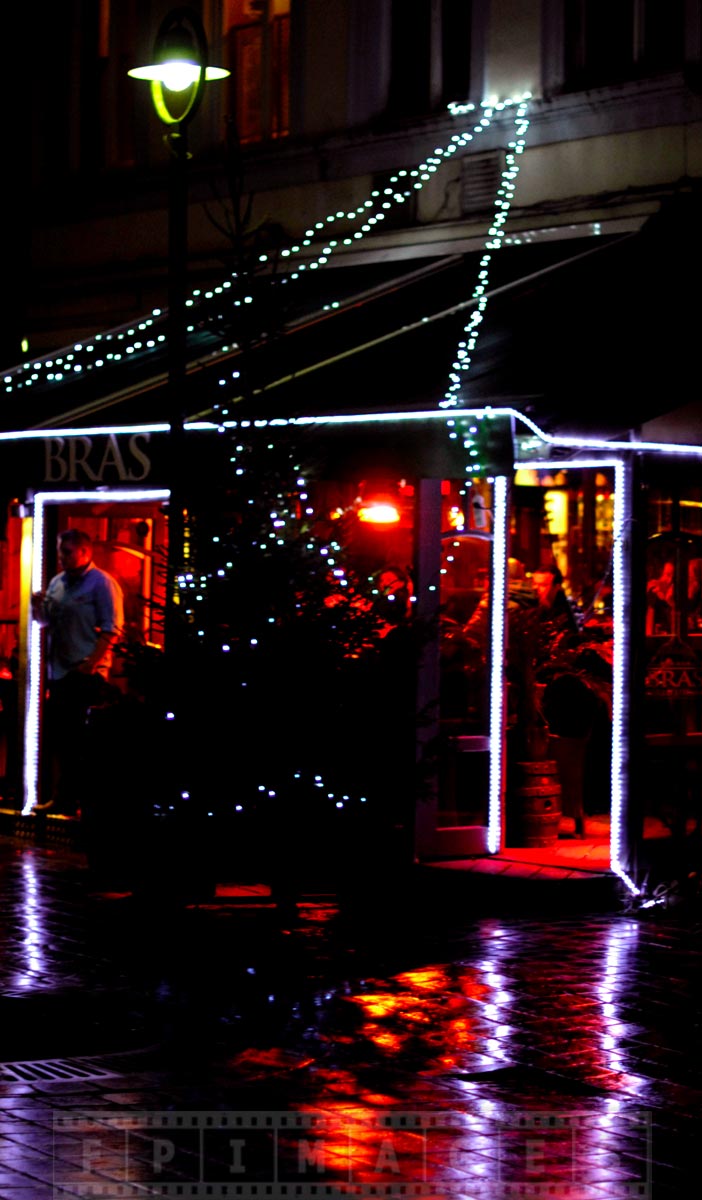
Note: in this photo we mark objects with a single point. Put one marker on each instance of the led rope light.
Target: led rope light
(34, 640)
(88, 431)
(578, 443)
(566, 442)
(497, 683)
(431, 414)
(621, 587)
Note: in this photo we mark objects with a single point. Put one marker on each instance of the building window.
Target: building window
(431, 55)
(257, 37)
(607, 43)
(411, 57)
(456, 45)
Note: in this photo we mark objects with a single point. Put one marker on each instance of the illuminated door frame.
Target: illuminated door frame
(621, 649)
(498, 620)
(35, 653)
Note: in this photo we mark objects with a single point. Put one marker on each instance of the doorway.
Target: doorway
(129, 530)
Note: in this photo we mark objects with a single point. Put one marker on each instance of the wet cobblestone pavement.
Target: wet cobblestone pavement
(388, 1047)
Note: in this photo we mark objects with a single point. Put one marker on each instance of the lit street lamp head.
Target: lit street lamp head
(180, 64)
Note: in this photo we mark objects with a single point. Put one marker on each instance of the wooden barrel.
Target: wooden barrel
(538, 802)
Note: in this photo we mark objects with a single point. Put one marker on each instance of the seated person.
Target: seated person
(694, 592)
(520, 595)
(554, 604)
(660, 600)
(394, 602)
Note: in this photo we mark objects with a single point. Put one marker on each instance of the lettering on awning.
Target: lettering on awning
(106, 459)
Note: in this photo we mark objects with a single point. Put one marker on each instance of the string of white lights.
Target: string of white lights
(495, 239)
(146, 336)
(396, 191)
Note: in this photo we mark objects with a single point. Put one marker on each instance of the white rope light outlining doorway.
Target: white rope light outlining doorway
(621, 649)
(497, 676)
(35, 672)
(621, 590)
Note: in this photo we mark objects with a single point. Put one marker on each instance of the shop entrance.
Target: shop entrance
(561, 695)
(129, 531)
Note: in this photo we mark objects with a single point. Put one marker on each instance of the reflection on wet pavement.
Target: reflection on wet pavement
(30, 914)
(363, 1052)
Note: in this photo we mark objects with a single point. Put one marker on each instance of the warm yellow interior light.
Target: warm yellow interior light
(379, 514)
(556, 512)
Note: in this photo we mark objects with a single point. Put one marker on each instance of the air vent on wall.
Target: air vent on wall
(480, 179)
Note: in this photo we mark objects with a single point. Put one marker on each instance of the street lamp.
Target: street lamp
(177, 75)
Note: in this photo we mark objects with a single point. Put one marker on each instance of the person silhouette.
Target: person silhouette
(83, 611)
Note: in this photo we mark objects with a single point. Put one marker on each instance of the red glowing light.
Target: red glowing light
(378, 512)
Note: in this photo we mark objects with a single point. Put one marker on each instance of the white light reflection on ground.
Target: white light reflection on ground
(613, 989)
(34, 933)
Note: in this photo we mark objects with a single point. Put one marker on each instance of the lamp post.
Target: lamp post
(177, 76)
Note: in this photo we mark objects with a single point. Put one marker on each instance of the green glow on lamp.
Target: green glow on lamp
(180, 62)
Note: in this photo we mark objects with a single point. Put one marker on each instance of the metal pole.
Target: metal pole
(177, 366)
(180, 40)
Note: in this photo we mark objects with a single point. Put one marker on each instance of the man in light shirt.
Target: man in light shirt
(83, 611)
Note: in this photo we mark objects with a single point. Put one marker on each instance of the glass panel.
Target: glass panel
(466, 550)
(411, 44)
(609, 38)
(465, 628)
(605, 42)
(10, 547)
(663, 34)
(599, 41)
(129, 542)
(280, 77)
(662, 597)
(456, 20)
(672, 712)
(367, 715)
(247, 55)
(690, 517)
(673, 561)
(257, 35)
(660, 512)
(559, 653)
